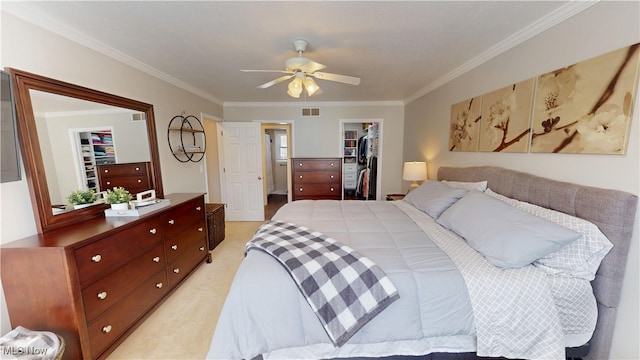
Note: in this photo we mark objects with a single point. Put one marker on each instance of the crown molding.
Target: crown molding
(312, 104)
(559, 15)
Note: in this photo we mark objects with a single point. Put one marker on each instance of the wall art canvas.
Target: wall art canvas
(506, 118)
(586, 108)
(465, 120)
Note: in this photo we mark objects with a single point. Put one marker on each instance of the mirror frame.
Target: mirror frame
(32, 156)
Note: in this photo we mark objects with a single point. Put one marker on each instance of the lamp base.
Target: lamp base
(412, 186)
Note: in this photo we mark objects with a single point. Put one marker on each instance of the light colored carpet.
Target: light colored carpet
(182, 327)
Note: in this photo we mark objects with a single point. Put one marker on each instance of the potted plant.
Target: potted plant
(82, 198)
(119, 198)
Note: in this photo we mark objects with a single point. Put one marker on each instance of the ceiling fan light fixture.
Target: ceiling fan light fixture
(295, 88)
(310, 85)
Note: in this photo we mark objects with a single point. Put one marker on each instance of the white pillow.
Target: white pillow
(480, 185)
(433, 197)
(506, 236)
(580, 258)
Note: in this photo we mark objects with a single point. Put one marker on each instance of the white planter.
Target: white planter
(80, 206)
(121, 206)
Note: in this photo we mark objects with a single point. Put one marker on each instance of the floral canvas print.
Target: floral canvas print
(586, 107)
(465, 119)
(506, 118)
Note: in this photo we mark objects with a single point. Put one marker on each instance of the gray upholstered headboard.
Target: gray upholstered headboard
(612, 211)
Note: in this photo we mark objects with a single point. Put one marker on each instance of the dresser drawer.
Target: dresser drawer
(112, 323)
(314, 164)
(177, 245)
(133, 184)
(107, 291)
(128, 169)
(182, 216)
(352, 184)
(97, 259)
(192, 255)
(317, 190)
(316, 177)
(350, 177)
(350, 168)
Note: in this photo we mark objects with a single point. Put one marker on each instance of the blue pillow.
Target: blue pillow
(433, 197)
(506, 236)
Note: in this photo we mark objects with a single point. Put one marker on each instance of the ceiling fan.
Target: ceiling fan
(303, 70)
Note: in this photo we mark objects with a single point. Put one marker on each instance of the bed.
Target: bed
(452, 294)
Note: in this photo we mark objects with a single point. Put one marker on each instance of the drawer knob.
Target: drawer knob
(96, 258)
(102, 295)
(106, 329)
(137, 169)
(174, 247)
(331, 176)
(331, 164)
(108, 182)
(106, 170)
(201, 248)
(153, 231)
(198, 208)
(171, 222)
(300, 189)
(200, 229)
(300, 176)
(156, 259)
(139, 181)
(176, 270)
(159, 285)
(331, 189)
(300, 164)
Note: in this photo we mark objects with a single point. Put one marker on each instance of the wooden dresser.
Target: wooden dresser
(95, 282)
(316, 178)
(135, 177)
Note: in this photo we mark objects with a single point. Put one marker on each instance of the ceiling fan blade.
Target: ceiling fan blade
(311, 67)
(278, 80)
(276, 71)
(351, 80)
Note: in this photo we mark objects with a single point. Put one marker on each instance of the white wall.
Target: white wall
(30, 48)
(320, 136)
(604, 27)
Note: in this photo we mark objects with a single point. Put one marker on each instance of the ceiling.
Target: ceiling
(400, 49)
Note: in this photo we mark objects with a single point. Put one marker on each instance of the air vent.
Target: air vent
(310, 112)
(138, 117)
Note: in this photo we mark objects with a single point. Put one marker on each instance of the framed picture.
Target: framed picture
(586, 108)
(506, 118)
(10, 165)
(465, 120)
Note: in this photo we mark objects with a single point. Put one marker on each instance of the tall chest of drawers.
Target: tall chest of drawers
(135, 177)
(316, 178)
(95, 283)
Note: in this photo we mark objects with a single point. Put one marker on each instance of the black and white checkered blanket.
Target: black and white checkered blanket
(344, 289)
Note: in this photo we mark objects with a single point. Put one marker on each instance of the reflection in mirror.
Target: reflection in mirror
(70, 133)
(49, 128)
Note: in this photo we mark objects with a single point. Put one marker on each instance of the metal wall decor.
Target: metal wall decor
(186, 137)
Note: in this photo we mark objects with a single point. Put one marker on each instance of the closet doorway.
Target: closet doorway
(276, 145)
(361, 149)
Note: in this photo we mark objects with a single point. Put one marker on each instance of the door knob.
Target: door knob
(259, 177)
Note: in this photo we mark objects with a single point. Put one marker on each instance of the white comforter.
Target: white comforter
(265, 314)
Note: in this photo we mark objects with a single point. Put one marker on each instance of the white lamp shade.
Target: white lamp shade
(414, 171)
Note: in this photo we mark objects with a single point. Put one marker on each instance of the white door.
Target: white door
(243, 171)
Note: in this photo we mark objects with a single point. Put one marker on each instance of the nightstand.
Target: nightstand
(393, 197)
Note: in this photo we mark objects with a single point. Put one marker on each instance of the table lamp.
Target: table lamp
(414, 171)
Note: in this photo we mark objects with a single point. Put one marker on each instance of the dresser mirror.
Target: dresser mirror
(51, 114)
